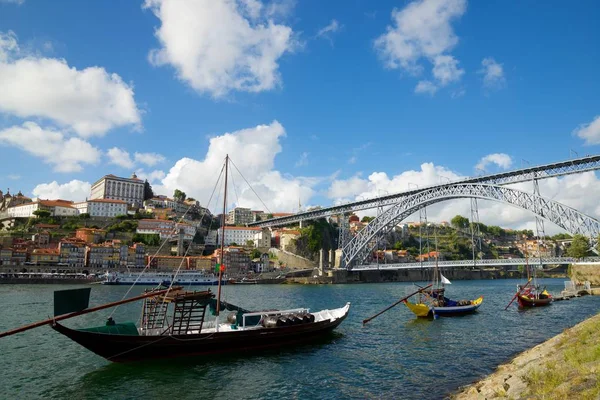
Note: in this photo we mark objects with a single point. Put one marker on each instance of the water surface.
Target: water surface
(394, 356)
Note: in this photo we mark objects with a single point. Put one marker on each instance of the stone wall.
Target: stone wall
(291, 260)
(582, 272)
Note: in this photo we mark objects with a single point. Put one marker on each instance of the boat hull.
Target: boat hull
(425, 311)
(526, 302)
(127, 348)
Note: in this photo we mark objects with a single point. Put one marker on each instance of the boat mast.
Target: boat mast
(222, 256)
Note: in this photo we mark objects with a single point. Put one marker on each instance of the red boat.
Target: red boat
(531, 297)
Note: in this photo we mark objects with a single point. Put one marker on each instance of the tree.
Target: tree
(178, 195)
(84, 216)
(579, 248)
(460, 222)
(255, 253)
(42, 213)
(367, 219)
(269, 216)
(148, 192)
(249, 243)
(191, 199)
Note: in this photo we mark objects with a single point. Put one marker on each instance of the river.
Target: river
(394, 356)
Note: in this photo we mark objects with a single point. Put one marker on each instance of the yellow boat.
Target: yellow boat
(449, 308)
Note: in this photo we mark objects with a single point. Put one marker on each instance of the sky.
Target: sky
(316, 102)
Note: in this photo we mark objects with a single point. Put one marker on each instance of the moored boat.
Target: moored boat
(184, 278)
(444, 308)
(182, 330)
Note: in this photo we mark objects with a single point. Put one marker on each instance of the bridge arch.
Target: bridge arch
(564, 216)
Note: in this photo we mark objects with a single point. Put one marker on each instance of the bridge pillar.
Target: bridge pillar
(321, 259)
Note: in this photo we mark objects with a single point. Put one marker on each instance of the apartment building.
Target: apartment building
(57, 208)
(102, 207)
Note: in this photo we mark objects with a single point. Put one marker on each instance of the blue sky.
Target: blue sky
(346, 97)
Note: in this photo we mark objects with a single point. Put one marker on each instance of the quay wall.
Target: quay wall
(419, 275)
(292, 260)
(582, 272)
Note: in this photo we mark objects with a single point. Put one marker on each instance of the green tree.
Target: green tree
(249, 243)
(255, 253)
(367, 219)
(42, 213)
(579, 248)
(398, 246)
(178, 195)
(148, 192)
(460, 222)
(84, 216)
(269, 216)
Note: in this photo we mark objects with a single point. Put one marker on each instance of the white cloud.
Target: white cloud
(333, 27)
(502, 160)
(74, 190)
(589, 132)
(253, 152)
(422, 30)
(303, 160)
(493, 73)
(149, 159)
(426, 87)
(445, 70)
(89, 101)
(217, 46)
(119, 157)
(153, 177)
(65, 154)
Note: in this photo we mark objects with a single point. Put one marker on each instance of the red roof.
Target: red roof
(107, 201)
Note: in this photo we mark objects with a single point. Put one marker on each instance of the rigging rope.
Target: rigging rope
(251, 188)
(151, 258)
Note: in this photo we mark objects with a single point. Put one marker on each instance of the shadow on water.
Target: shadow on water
(140, 375)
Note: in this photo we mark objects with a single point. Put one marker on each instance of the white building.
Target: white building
(129, 190)
(57, 208)
(241, 235)
(262, 238)
(102, 207)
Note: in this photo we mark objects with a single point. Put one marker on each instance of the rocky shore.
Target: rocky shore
(566, 366)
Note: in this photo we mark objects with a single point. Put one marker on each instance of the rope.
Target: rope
(157, 251)
(251, 188)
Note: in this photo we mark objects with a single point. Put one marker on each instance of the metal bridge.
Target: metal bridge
(574, 166)
(393, 208)
(571, 220)
(477, 264)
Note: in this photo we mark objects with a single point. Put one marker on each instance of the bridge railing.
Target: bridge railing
(477, 263)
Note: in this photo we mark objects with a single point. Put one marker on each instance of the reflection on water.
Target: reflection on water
(394, 356)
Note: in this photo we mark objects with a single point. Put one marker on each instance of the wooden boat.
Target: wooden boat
(533, 298)
(175, 323)
(447, 308)
(185, 332)
(530, 295)
(433, 302)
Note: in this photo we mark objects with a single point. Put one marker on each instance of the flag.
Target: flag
(217, 267)
(445, 280)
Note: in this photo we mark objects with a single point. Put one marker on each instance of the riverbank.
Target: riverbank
(566, 366)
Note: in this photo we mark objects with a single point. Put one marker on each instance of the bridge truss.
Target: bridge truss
(574, 166)
(571, 220)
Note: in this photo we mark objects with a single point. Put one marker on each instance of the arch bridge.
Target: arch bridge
(571, 220)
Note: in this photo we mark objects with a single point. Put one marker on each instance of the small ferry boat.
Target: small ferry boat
(182, 278)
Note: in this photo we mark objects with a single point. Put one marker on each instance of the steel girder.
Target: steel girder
(564, 216)
(469, 263)
(590, 163)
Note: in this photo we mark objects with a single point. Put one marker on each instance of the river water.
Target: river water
(394, 356)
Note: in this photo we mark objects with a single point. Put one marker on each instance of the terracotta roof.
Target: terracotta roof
(45, 251)
(242, 228)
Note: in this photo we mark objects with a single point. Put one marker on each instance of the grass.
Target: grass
(574, 371)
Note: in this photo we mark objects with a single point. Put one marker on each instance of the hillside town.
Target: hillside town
(123, 225)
